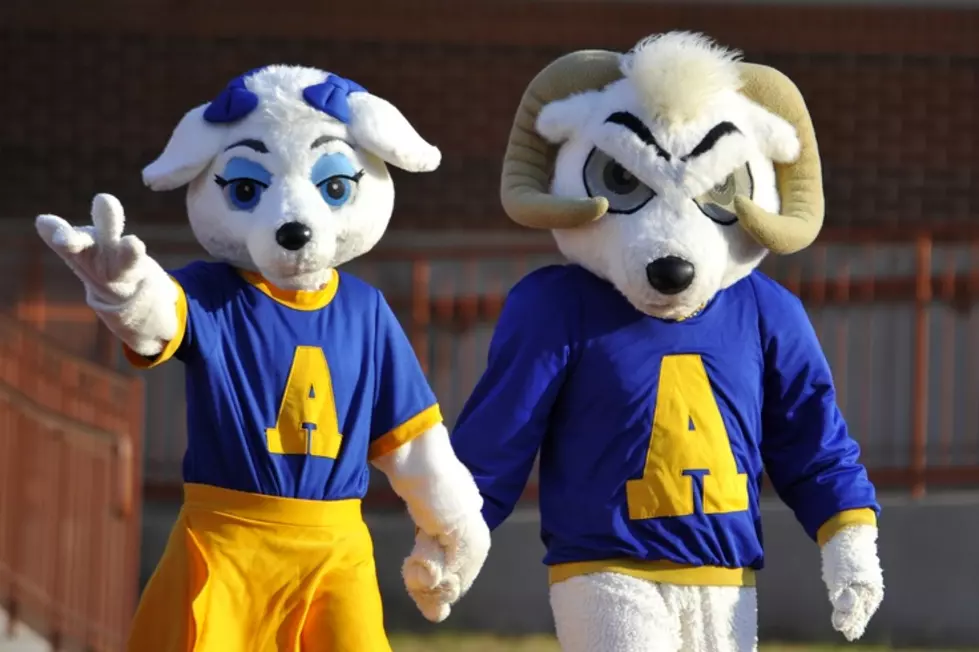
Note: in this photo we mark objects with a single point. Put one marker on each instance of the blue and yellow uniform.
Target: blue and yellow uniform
(653, 435)
(289, 394)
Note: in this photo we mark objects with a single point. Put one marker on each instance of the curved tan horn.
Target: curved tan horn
(527, 164)
(800, 184)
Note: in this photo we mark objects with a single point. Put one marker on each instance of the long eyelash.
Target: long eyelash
(222, 182)
(355, 178)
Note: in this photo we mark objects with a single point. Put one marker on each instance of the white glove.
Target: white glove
(440, 571)
(443, 500)
(106, 262)
(422, 572)
(852, 573)
(127, 289)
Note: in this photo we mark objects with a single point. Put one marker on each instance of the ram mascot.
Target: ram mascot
(297, 375)
(659, 373)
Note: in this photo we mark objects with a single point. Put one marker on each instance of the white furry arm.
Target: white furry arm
(442, 498)
(128, 290)
(438, 490)
(853, 577)
(147, 319)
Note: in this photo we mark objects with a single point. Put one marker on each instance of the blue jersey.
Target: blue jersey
(653, 435)
(290, 393)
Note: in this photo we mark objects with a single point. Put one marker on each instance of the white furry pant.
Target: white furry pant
(609, 612)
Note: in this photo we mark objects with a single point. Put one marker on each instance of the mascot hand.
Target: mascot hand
(127, 289)
(440, 571)
(425, 581)
(109, 264)
(852, 573)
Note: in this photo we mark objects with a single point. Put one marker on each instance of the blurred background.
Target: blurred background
(90, 452)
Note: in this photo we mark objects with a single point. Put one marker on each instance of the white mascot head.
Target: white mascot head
(669, 171)
(286, 172)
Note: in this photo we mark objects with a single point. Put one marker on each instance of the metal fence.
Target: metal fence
(894, 310)
(70, 479)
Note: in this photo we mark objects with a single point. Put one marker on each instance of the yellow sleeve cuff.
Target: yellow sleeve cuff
(844, 519)
(142, 362)
(404, 433)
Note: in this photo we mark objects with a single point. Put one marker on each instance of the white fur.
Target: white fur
(677, 73)
(380, 128)
(191, 147)
(127, 289)
(559, 120)
(288, 126)
(438, 490)
(853, 577)
(609, 612)
(147, 321)
(777, 138)
(136, 298)
(618, 247)
(679, 85)
(452, 540)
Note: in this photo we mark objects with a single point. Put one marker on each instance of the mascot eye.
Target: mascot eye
(605, 177)
(243, 194)
(338, 189)
(335, 176)
(619, 180)
(718, 202)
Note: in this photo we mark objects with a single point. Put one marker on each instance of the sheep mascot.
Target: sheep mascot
(659, 373)
(297, 374)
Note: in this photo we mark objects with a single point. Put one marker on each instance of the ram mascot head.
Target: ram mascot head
(670, 171)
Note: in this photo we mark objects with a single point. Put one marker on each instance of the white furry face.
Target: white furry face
(670, 239)
(288, 189)
(291, 201)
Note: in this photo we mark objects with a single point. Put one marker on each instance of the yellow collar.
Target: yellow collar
(297, 299)
(693, 314)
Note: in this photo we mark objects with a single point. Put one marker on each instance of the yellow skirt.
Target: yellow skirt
(249, 573)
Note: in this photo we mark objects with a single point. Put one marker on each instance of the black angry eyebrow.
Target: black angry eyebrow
(717, 132)
(636, 126)
(251, 143)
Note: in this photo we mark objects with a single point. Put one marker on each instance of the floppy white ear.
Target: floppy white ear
(193, 144)
(561, 119)
(776, 136)
(377, 126)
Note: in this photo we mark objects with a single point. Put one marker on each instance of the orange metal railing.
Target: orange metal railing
(895, 311)
(70, 481)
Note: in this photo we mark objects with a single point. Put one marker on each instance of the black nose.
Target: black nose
(293, 235)
(670, 275)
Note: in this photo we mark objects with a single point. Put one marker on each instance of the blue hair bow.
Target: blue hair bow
(234, 102)
(330, 97)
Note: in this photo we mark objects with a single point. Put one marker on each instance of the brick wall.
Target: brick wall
(91, 91)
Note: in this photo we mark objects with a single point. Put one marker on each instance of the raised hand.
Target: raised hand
(108, 263)
(126, 288)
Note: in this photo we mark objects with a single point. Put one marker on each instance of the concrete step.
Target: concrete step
(23, 640)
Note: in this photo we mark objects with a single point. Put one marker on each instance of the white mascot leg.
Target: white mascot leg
(715, 618)
(609, 612)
